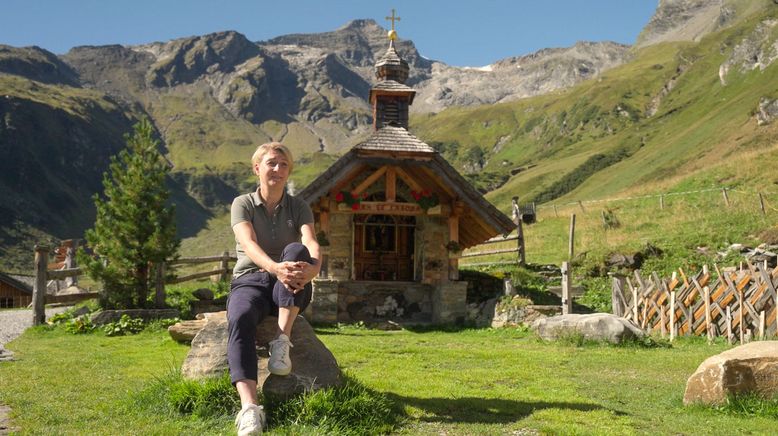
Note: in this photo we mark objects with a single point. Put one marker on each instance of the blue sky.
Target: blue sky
(457, 32)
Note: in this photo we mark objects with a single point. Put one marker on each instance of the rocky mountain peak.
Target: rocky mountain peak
(184, 60)
(36, 64)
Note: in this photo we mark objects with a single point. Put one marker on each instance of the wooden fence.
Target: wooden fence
(43, 275)
(739, 304)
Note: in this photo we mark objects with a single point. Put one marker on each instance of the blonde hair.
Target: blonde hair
(264, 149)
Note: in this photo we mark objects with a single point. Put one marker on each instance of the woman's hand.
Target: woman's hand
(292, 275)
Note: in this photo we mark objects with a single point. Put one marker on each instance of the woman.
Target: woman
(272, 275)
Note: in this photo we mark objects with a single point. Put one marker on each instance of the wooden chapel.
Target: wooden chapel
(396, 215)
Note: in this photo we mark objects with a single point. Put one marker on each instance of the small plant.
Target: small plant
(81, 325)
(609, 220)
(61, 318)
(124, 326)
(321, 238)
(453, 247)
(515, 302)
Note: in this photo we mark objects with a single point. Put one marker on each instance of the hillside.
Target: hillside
(664, 120)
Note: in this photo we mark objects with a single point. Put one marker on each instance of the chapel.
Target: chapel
(393, 216)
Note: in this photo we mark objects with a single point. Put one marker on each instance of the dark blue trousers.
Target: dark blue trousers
(253, 296)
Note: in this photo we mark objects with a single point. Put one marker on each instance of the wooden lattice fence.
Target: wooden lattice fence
(739, 304)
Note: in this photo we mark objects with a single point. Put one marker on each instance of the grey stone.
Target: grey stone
(6, 355)
(313, 365)
(749, 368)
(203, 294)
(107, 316)
(595, 326)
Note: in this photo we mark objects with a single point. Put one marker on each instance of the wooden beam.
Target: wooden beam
(369, 181)
(391, 184)
(346, 178)
(410, 181)
(453, 228)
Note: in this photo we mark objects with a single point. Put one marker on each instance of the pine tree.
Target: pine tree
(134, 229)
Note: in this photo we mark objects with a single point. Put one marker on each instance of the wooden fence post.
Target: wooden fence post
(672, 316)
(761, 325)
(507, 286)
(662, 201)
(224, 276)
(519, 230)
(567, 301)
(617, 295)
(159, 285)
(726, 196)
(761, 203)
(729, 325)
(39, 287)
(580, 204)
(571, 243)
(708, 326)
(556, 214)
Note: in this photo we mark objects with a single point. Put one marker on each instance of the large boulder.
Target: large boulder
(185, 331)
(313, 365)
(593, 326)
(749, 368)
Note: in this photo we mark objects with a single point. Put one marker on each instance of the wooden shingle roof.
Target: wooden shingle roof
(394, 138)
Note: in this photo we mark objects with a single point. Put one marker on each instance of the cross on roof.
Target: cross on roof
(393, 18)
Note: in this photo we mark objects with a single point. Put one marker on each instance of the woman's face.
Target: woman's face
(272, 169)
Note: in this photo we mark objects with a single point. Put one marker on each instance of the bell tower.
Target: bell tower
(390, 97)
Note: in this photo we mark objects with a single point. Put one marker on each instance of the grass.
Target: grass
(452, 381)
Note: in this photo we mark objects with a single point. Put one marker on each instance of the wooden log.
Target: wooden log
(488, 252)
(224, 265)
(761, 325)
(60, 274)
(39, 286)
(729, 326)
(617, 295)
(634, 304)
(706, 296)
(672, 315)
(740, 300)
(761, 203)
(771, 286)
(203, 259)
(571, 242)
(663, 321)
(567, 300)
(194, 276)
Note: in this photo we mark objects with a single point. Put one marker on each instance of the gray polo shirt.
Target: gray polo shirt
(274, 231)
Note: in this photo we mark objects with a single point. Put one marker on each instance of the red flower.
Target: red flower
(354, 196)
(415, 195)
(364, 195)
(355, 206)
(426, 193)
(339, 198)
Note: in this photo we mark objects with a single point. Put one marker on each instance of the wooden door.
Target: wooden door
(383, 247)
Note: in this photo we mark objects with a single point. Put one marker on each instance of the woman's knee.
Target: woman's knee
(296, 252)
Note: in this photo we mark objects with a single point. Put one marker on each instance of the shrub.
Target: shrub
(124, 326)
(81, 325)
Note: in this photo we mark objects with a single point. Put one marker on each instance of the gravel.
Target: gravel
(15, 321)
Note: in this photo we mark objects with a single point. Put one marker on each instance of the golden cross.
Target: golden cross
(393, 18)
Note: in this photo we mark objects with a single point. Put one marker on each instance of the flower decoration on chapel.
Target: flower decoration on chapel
(425, 198)
(350, 199)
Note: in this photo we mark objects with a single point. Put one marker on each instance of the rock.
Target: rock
(185, 331)
(313, 365)
(595, 326)
(107, 316)
(203, 294)
(768, 111)
(749, 368)
(628, 261)
(6, 355)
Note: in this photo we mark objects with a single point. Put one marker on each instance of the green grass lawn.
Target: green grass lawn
(442, 382)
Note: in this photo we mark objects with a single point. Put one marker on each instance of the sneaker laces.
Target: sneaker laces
(250, 417)
(282, 345)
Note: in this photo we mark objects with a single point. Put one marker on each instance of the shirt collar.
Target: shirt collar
(257, 201)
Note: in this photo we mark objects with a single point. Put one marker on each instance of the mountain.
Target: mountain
(592, 119)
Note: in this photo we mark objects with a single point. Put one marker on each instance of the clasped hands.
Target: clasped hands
(294, 275)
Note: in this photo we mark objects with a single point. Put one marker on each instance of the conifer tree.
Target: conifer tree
(134, 230)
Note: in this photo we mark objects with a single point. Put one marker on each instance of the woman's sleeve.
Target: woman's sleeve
(239, 212)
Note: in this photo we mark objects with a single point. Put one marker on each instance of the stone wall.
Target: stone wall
(449, 305)
(340, 249)
(432, 237)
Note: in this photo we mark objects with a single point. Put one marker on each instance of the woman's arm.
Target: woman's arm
(308, 239)
(286, 272)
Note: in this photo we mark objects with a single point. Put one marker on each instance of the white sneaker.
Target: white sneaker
(250, 420)
(280, 363)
